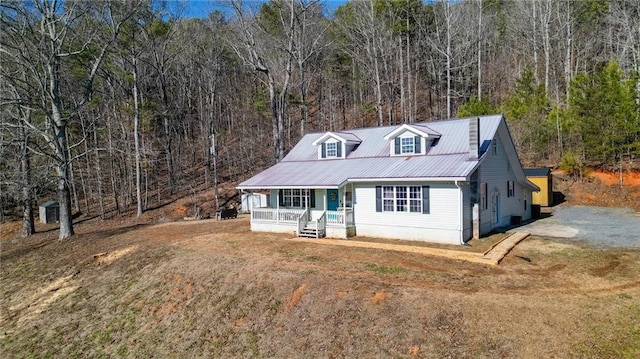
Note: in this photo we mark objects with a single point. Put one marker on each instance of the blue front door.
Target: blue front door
(332, 199)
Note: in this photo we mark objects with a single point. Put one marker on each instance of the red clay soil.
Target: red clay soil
(600, 189)
(631, 179)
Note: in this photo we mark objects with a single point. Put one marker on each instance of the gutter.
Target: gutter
(248, 188)
(408, 179)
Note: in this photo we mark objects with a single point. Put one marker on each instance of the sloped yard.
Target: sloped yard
(213, 289)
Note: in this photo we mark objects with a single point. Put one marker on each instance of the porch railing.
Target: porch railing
(279, 215)
(343, 218)
(321, 225)
(303, 220)
(340, 218)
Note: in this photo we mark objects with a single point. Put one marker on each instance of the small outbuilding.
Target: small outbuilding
(251, 200)
(542, 178)
(49, 212)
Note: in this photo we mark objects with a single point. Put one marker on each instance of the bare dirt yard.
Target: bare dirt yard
(213, 289)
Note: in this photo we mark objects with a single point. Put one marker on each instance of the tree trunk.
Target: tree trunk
(28, 226)
(98, 175)
(479, 44)
(61, 151)
(448, 56)
(275, 128)
(534, 20)
(403, 97)
(136, 138)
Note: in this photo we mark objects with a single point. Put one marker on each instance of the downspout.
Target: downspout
(460, 212)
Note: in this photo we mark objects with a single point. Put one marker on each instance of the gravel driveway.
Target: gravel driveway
(619, 227)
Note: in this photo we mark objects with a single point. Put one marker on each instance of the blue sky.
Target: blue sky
(200, 8)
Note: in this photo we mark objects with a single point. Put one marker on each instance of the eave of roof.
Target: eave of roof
(537, 172)
(346, 137)
(421, 130)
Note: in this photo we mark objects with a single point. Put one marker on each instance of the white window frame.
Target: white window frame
(407, 199)
(388, 198)
(407, 145)
(510, 189)
(295, 198)
(331, 149)
(415, 199)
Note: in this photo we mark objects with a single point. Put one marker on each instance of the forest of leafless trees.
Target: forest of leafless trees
(110, 106)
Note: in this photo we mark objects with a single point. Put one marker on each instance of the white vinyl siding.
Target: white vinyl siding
(497, 173)
(442, 224)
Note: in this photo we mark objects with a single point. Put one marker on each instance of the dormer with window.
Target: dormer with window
(335, 145)
(411, 140)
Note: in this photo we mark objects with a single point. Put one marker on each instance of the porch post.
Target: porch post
(307, 198)
(278, 207)
(344, 207)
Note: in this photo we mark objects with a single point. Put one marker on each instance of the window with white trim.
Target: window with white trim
(388, 198)
(401, 199)
(510, 189)
(296, 198)
(413, 199)
(407, 145)
(332, 149)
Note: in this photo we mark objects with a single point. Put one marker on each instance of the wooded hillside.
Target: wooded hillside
(115, 104)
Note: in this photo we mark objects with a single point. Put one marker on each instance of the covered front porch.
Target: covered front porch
(307, 212)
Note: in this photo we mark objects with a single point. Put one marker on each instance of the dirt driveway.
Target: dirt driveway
(600, 226)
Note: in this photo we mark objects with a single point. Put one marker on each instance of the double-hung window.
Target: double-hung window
(407, 145)
(295, 198)
(412, 199)
(388, 198)
(401, 199)
(510, 189)
(415, 199)
(332, 149)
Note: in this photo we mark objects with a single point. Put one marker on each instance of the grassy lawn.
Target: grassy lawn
(214, 289)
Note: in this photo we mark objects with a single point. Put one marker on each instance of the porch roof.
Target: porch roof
(335, 173)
